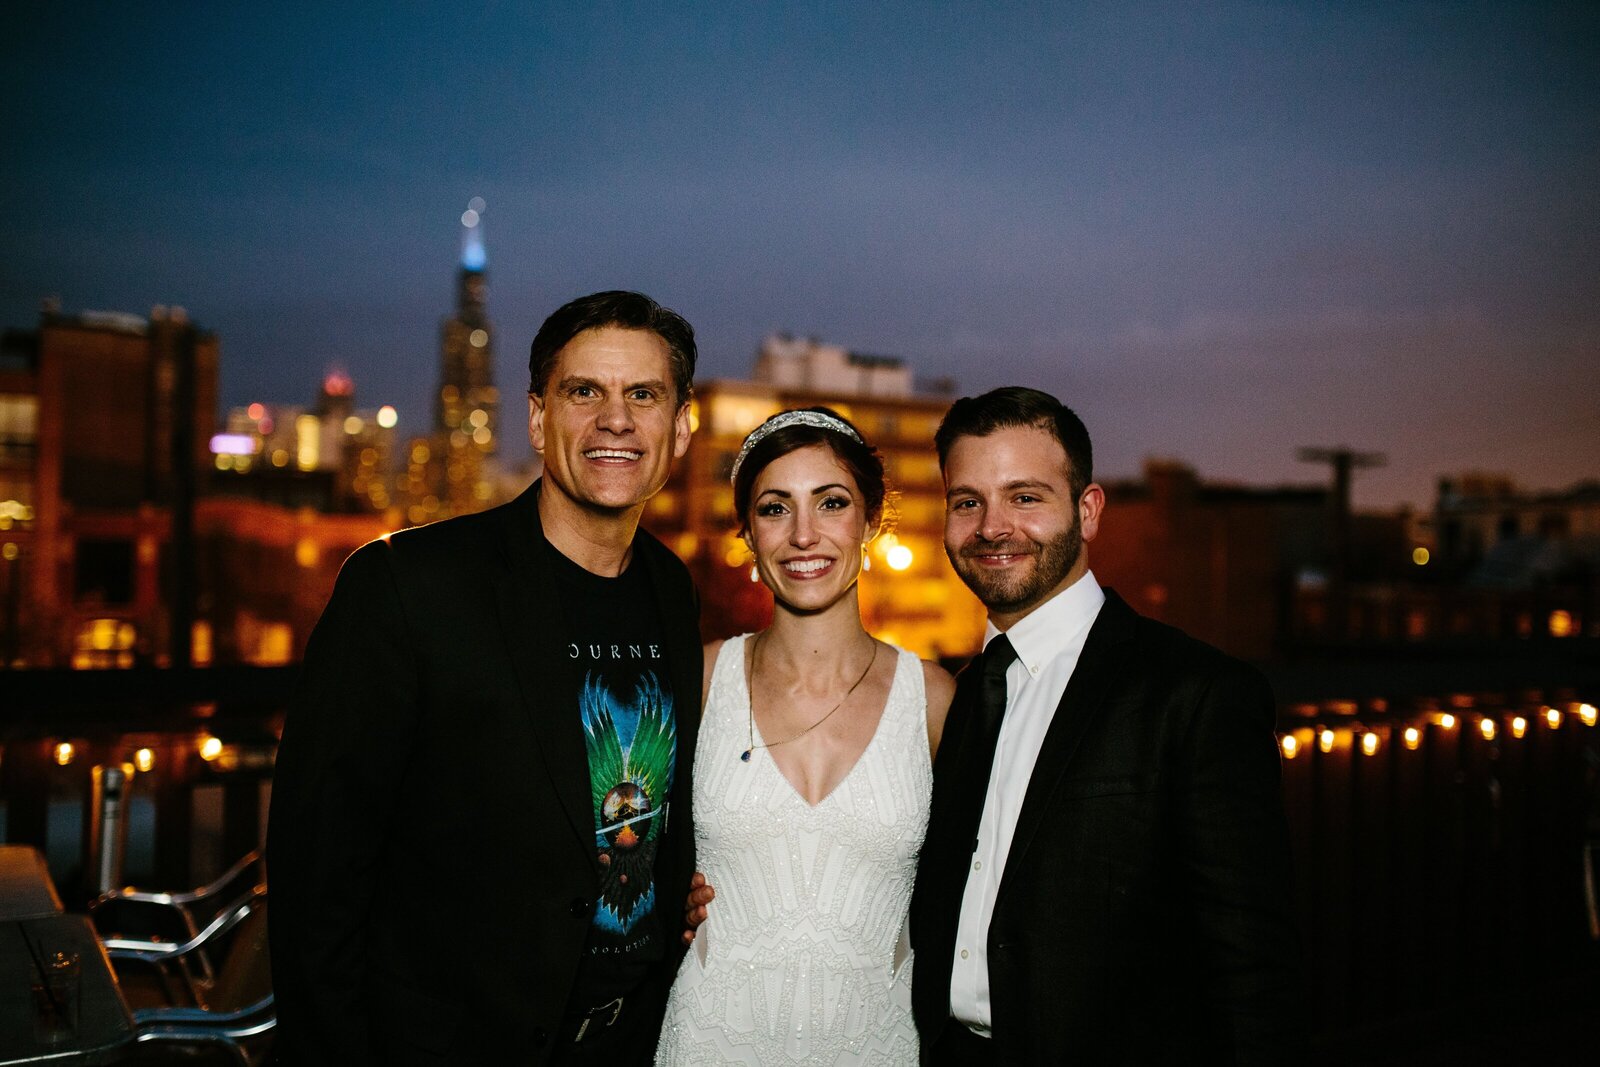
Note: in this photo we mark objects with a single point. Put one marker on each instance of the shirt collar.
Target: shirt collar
(1054, 626)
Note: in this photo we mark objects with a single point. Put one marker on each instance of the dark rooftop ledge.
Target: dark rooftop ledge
(143, 694)
(1518, 670)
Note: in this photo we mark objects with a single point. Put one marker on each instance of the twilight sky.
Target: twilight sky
(1219, 231)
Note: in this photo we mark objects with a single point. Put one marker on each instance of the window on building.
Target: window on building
(1553, 526)
(103, 572)
(19, 426)
(16, 499)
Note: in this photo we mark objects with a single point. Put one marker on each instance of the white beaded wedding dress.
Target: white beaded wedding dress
(803, 958)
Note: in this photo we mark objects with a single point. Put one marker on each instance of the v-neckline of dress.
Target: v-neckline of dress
(747, 677)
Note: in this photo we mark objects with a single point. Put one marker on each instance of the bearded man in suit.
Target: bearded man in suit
(1105, 877)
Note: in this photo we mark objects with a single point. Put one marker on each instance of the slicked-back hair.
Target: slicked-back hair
(1016, 405)
(860, 459)
(625, 310)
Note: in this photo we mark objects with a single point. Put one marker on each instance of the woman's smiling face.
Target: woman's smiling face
(807, 524)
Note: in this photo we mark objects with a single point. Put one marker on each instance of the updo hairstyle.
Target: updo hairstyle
(860, 459)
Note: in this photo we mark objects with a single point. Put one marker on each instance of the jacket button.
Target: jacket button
(580, 907)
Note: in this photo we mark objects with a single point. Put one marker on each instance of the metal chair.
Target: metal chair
(233, 1013)
(130, 914)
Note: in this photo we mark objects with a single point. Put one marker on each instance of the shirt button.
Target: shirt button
(963, 953)
(977, 865)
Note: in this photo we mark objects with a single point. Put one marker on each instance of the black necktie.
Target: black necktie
(996, 658)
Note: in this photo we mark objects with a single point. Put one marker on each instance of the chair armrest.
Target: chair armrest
(198, 1035)
(252, 1013)
(123, 948)
(143, 951)
(206, 891)
(134, 918)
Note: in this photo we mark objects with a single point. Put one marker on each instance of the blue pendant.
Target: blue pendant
(745, 755)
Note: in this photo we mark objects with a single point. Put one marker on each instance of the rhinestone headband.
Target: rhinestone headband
(820, 420)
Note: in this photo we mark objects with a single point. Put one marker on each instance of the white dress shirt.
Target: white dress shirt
(1048, 641)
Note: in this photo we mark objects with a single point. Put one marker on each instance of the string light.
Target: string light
(144, 760)
(64, 753)
(1370, 740)
(210, 748)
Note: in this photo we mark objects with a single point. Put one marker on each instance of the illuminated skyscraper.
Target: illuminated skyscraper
(465, 409)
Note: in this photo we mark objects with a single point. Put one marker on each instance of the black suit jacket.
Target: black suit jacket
(431, 839)
(1144, 913)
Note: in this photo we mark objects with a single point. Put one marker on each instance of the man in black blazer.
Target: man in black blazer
(480, 832)
(1114, 889)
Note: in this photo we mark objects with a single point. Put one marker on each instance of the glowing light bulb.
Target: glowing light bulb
(144, 760)
(210, 748)
(1519, 726)
(64, 753)
(1487, 728)
(1291, 747)
(1369, 743)
(1553, 717)
(1325, 739)
(898, 558)
(1448, 721)
(1413, 737)
(1587, 714)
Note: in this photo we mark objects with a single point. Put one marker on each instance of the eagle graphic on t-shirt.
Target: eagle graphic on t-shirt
(631, 747)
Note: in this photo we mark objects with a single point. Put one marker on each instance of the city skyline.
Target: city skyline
(1221, 237)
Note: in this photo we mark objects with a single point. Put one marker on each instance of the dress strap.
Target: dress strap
(728, 698)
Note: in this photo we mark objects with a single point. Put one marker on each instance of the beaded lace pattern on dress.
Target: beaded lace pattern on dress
(802, 958)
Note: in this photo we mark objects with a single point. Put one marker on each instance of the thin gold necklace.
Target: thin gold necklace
(750, 691)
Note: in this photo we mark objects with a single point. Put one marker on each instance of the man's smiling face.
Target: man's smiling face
(609, 423)
(1013, 529)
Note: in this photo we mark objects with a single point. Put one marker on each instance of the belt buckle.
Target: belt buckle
(616, 1009)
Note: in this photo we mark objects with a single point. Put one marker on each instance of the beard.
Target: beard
(1012, 593)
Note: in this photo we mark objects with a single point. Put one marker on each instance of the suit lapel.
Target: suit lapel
(529, 617)
(965, 789)
(1102, 662)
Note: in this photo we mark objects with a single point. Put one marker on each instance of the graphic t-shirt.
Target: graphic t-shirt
(621, 690)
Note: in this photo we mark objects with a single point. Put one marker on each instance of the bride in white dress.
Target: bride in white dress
(812, 776)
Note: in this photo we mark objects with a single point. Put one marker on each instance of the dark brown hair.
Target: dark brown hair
(615, 307)
(1016, 405)
(859, 458)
